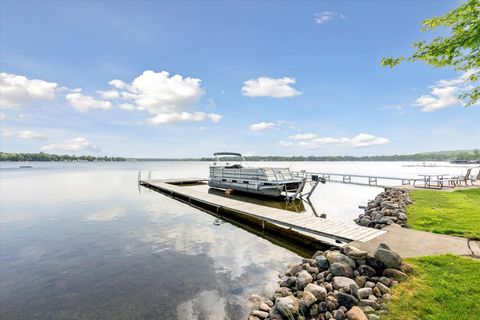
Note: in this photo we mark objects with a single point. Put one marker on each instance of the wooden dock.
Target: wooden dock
(302, 225)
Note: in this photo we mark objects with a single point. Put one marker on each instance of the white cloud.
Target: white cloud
(294, 128)
(439, 98)
(83, 103)
(325, 16)
(16, 91)
(303, 136)
(365, 140)
(313, 141)
(27, 134)
(75, 144)
(158, 93)
(269, 87)
(109, 94)
(444, 94)
(214, 117)
(165, 118)
(3, 116)
(126, 106)
(279, 124)
(391, 107)
(7, 134)
(169, 98)
(286, 143)
(262, 126)
(119, 84)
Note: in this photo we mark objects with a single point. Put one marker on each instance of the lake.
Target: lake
(83, 241)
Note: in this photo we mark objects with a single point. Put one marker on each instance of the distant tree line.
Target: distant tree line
(53, 157)
(429, 156)
(467, 155)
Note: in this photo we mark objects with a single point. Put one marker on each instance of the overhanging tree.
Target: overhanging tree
(460, 50)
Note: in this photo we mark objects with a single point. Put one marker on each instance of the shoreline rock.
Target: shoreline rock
(310, 290)
(389, 207)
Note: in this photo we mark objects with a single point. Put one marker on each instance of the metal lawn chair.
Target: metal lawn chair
(463, 178)
(474, 178)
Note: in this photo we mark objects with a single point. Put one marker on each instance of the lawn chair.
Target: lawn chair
(474, 178)
(465, 178)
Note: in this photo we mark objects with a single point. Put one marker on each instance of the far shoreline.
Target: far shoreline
(467, 157)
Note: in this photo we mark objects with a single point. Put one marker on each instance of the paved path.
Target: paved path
(413, 243)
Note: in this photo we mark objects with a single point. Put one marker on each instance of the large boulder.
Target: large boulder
(296, 269)
(367, 271)
(375, 264)
(383, 288)
(303, 278)
(287, 306)
(336, 256)
(341, 269)
(342, 283)
(355, 253)
(346, 300)
(308, 298)
(322, 262)
(355, 313)
(364, 293)
(389, 258)
(320, 293)
(395, 274)
(288, 282)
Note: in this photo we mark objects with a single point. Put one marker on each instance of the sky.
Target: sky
(186, 79)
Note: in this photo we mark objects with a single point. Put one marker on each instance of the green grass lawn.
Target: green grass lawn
(442, 287)
(455, 213)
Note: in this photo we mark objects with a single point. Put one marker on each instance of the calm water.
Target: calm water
(82, 241)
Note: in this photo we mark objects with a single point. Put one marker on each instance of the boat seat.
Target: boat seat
(235, 166)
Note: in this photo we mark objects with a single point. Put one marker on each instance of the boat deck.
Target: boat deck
(304, 225)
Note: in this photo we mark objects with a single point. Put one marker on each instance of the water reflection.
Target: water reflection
(78, 241)
(296, 205)
(86, 245)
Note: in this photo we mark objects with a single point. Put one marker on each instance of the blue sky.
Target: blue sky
(192, 78)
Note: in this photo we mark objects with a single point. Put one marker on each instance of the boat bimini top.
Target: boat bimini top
(240, 165)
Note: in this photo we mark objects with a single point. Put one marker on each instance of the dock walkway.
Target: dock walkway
(314, 227)
(358, 179)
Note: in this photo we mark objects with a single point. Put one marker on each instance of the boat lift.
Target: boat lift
(312, 179)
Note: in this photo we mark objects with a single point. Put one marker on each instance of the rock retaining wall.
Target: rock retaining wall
(387, 208)
(336, 284)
